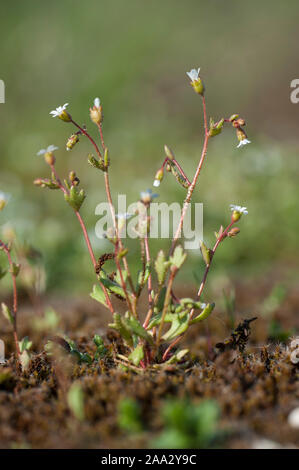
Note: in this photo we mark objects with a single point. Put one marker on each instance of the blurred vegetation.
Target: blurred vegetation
(134, 55)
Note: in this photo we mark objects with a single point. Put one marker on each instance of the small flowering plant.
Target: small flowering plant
(151, 341)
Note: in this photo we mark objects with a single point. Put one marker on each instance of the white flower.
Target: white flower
(156, 183)
(58, 111)
(49, 149)
(148, 195)
(193, 74)
(4, 198)
(239, 209)
(243, 142)
(97, 102)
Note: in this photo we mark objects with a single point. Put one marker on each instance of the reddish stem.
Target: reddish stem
(86, 237)
(84, 132)
(87, 240)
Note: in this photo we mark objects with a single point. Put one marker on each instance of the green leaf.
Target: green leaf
(98, 294)
(206, 253)
(137, 355)
(179, 325)
(117, 278)
(204, 314)
(24, 359)
(156, 319)
(7, 313)
(143, 277)
(101, 349)
(98, 164)
(136, 328)
(178, 257)
(75, 198)
(161, 266)
(123, 329)
(177, 356)
(25, 344)
(75, 399)
(215, 129)
(111, 285)
(84, 357)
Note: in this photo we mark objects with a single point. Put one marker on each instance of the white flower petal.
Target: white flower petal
(52, 148)
(240, 209)
(193, 74)
(97, 102)
(156, 183)
(56, 112)
(243, 142)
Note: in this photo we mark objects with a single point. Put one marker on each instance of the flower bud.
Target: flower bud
(215, 129)
(73, 178)
(168, 152)
(233, 117)
(95, 112)
(49, 158)
(196, 81)
(38, 182)
(71, 142)
(158, 177)
(242, 137)
(236, 216)
(233, 232)
(238, 122)
(46, 183)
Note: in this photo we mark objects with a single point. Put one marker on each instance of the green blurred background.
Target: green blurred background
(134, 56)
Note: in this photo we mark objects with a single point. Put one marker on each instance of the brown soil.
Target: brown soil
(256, 389)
